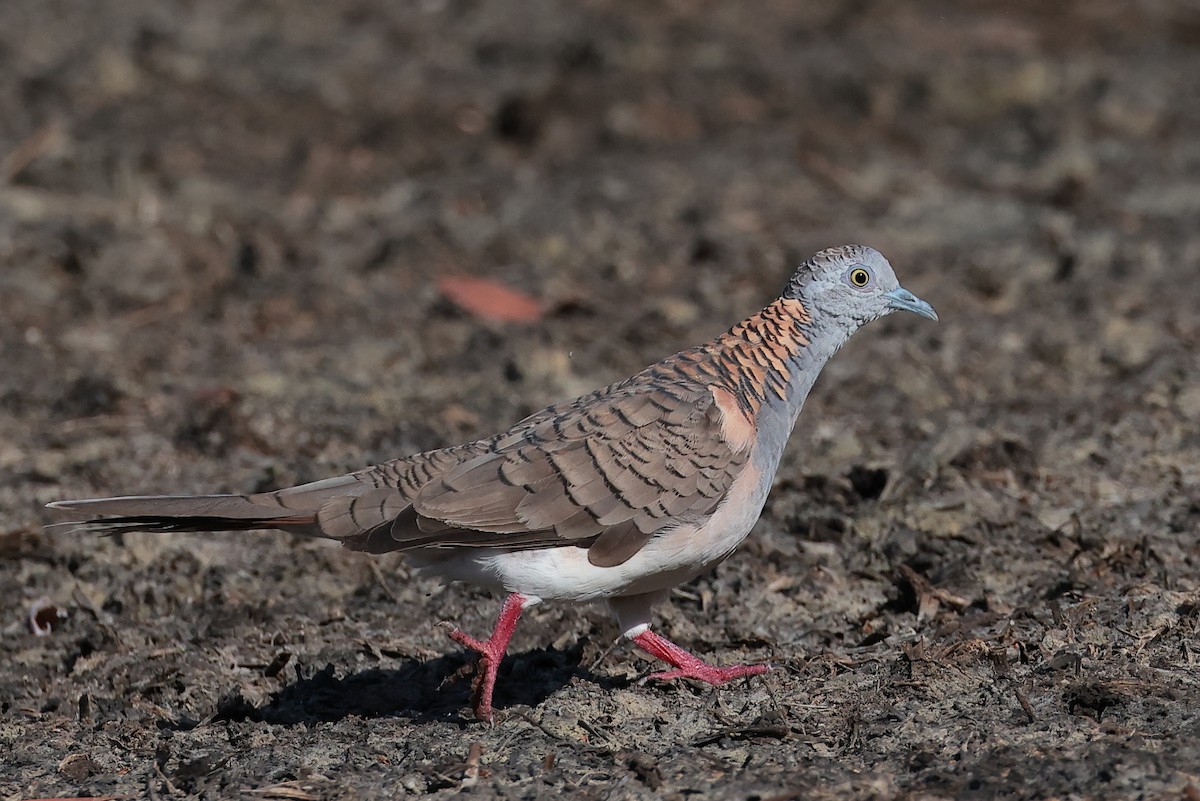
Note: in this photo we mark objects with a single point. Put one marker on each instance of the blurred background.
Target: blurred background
(249, 244)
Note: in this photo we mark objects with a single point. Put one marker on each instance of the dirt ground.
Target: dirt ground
(221, 229)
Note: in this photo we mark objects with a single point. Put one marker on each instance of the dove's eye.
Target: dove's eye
(859, 277)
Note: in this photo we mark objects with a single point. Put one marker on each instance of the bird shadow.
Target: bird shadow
(421, 691)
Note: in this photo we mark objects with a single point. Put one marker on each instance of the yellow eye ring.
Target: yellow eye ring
(859, 277)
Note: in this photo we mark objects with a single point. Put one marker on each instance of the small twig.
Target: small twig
(287, 790)
(567, 741)
(471, 772)
(603, 655)
(1023, 700)
(377, 572)
(778, 731)
(592, 730)
(171, 788)
(102, 618)
(30, 149)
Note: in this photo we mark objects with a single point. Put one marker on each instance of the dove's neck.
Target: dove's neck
(807, 366)
(773, 359)
(767, 362)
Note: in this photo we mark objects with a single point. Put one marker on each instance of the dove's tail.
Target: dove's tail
(294, 509)
(169, 513)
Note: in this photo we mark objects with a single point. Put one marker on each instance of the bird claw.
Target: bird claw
(485, 648)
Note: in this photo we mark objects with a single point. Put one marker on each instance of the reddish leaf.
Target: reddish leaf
(489, 300)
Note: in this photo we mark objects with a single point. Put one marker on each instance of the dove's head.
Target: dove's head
(843, 288)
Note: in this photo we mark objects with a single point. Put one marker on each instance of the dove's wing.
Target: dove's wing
(608, 472)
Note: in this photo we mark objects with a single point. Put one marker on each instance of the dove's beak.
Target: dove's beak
(903, 300)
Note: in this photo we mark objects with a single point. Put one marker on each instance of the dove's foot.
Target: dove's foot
(689, 666)
(491, 651)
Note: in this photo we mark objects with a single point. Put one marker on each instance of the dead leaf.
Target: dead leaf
(489, 300)
(44, 615)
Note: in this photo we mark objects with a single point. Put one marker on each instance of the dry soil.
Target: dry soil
(221, 228)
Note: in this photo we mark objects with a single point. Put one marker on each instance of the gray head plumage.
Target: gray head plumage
(848, 286)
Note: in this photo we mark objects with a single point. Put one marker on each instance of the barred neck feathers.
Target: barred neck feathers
(755, 361)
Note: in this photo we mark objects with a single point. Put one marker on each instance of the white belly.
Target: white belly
(565, 574)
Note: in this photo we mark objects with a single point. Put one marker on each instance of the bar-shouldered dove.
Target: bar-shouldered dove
(618, 495)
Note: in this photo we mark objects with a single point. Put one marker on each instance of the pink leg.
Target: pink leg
(687, 665)
(491, 651)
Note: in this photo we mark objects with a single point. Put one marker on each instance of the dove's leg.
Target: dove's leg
(491, 650)
(633, 612)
